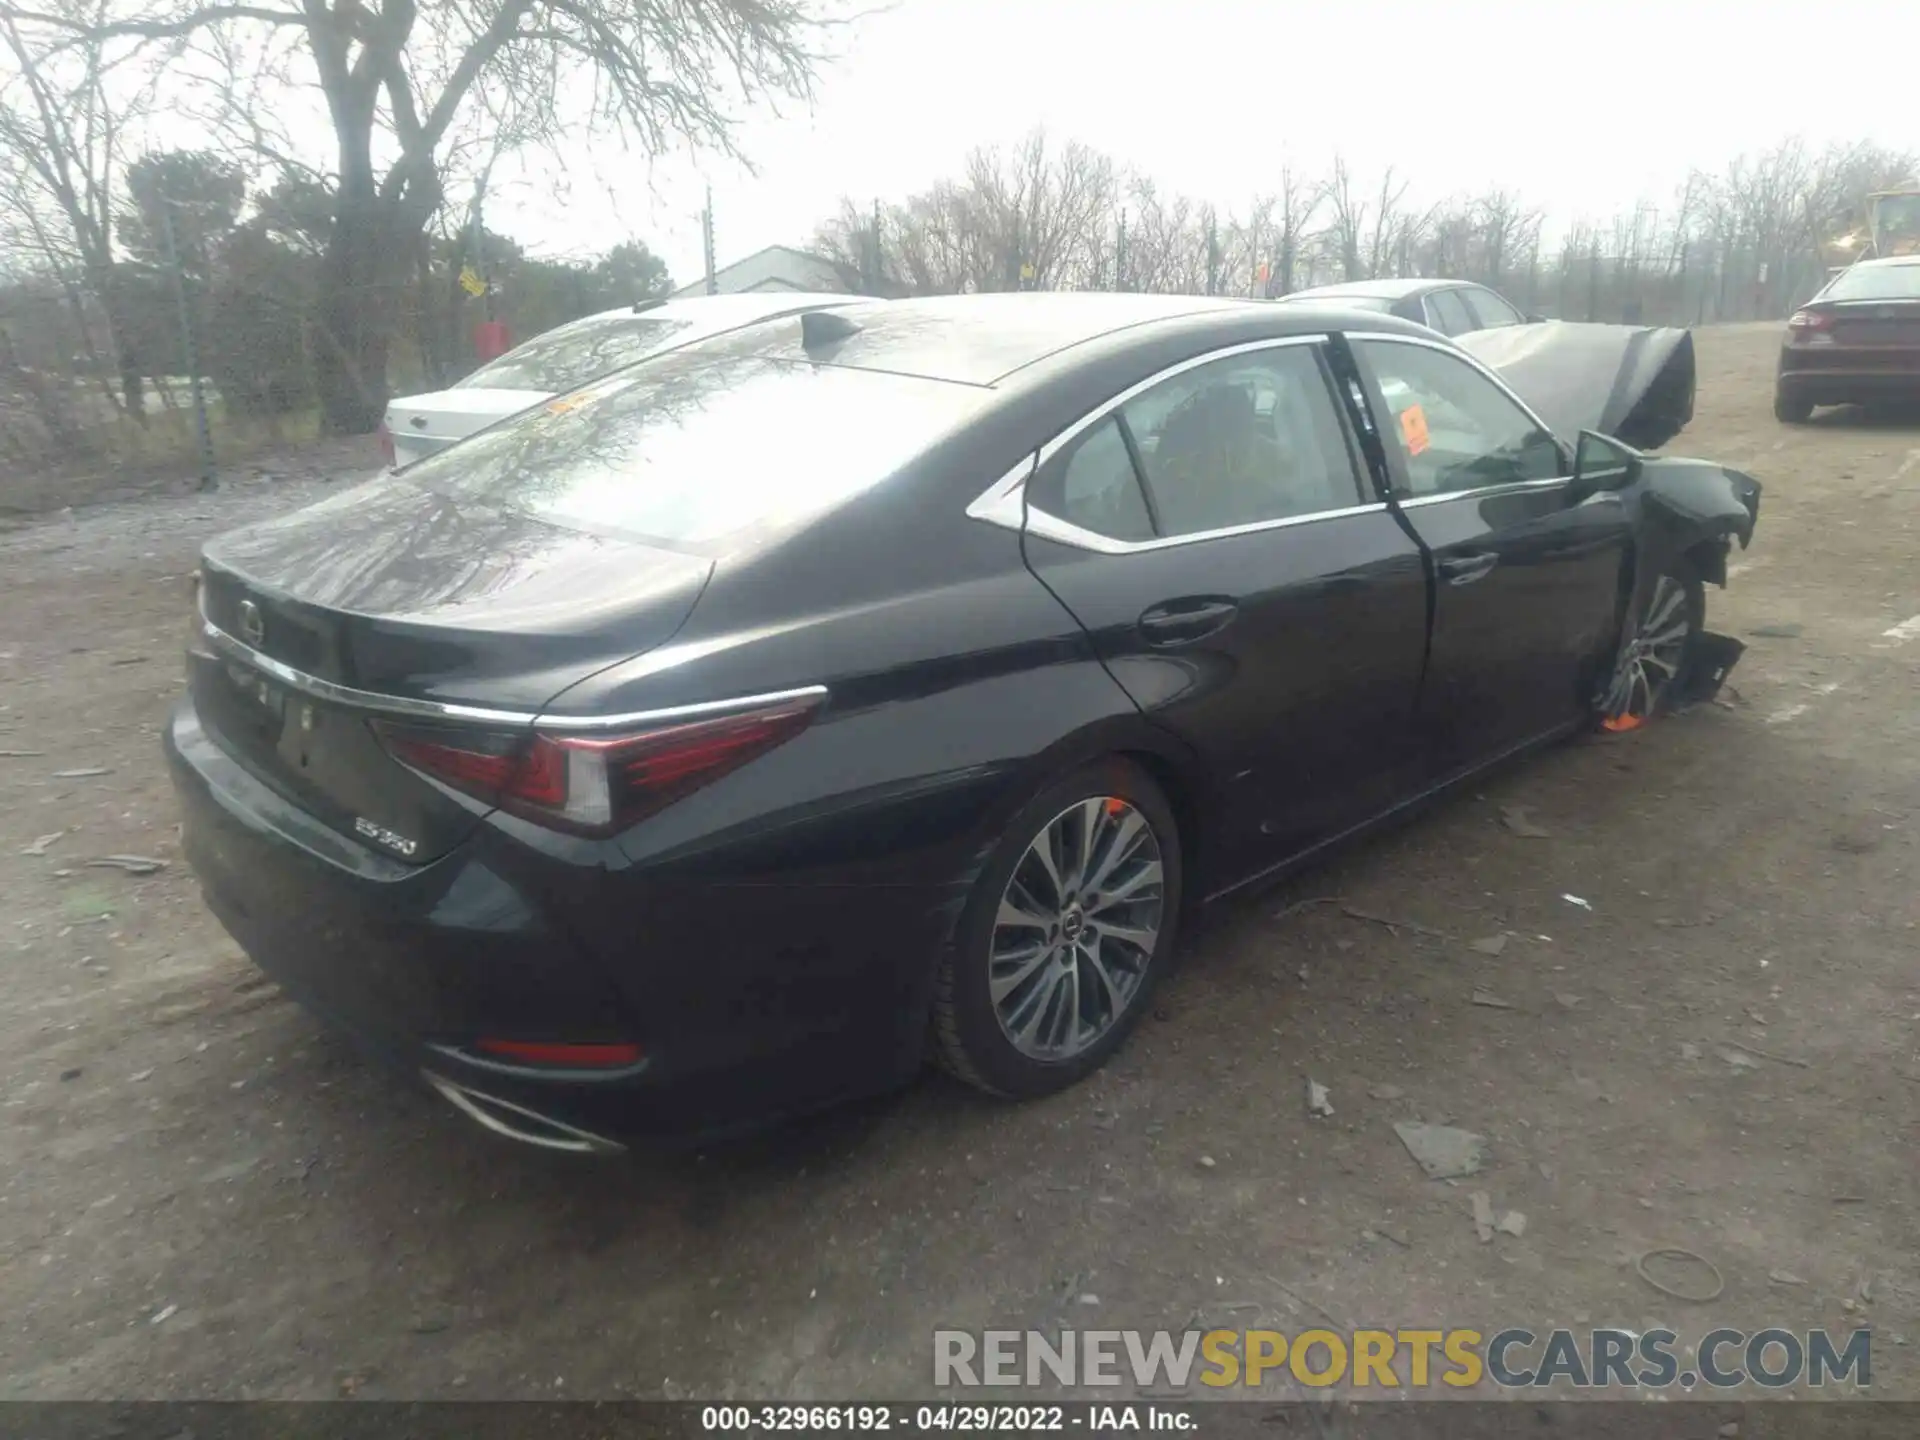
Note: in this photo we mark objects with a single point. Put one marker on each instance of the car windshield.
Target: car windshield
(1876, 282)
(689, 450)
(566, 358)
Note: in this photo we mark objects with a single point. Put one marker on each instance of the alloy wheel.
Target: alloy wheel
(1652, 659)
(1077, 927)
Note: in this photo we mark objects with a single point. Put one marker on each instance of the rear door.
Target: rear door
(1210, 531)
(1527, 585)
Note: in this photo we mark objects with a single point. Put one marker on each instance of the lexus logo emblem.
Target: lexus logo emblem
(253, 627)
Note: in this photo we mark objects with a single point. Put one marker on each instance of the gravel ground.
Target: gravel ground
(202, 1194)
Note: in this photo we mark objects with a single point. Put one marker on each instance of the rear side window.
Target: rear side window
(569, 357)
(1447, 313)
(686, 450)
(1490, 312)
(1241, 440)
(1096, 487)
(1876, 282)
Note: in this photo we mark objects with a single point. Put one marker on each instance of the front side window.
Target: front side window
(1242, 440)
(1455, 429)
(569, 357)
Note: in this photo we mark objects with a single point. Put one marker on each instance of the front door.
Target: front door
(1212, 536)
(1527, 586)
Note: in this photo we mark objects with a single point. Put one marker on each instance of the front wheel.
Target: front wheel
(1065, 935)
(1656, 651)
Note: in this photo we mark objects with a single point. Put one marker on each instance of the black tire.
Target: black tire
(1791, 409)
(969, 1039)
(1653, 699)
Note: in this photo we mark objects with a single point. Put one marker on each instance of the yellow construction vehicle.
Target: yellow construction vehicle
(1887, 223)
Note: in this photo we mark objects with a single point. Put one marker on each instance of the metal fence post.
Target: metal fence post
(189, 347)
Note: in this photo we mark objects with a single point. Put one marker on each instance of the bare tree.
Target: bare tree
(396, 81)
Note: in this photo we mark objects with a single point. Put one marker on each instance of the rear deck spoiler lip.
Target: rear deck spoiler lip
(231, 647)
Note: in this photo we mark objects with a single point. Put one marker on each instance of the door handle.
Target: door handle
(1465, 569)
(1180, 622)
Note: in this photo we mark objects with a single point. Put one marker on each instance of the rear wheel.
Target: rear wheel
(1791, 409)
(1657, 650)
(1064, 937)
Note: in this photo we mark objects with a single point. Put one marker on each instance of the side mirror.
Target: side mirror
(1602, 463)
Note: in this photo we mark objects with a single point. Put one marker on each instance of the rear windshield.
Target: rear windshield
(1876, 282)
(687, 450)
(567, 358)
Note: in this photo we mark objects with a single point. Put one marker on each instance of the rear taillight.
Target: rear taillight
(609, 1056)
(594, 785)
(387, 452)
(1811, 320)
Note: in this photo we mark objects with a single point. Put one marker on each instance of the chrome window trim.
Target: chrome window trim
(236, 649)
(1004, 502)
(1051, 527)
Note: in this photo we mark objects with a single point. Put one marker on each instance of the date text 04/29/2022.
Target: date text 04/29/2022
(946, 1417)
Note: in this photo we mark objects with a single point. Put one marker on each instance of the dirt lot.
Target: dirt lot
(202, 1194)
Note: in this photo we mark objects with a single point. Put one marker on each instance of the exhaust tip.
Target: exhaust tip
(517, 1122)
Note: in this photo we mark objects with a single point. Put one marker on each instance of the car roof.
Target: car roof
(983, 339)
(1375, 289)
(1879, 260)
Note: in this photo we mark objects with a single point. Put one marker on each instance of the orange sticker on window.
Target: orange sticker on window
(1413, 428)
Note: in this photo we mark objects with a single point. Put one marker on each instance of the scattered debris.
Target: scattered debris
(1489, 944)
(1776, 632)
(1392, 924)
(1491, 1001)
(1849, 1199)
(1738, 1059)
(1567, 1002)
(1784, 1277)
(21, 754)
(1483, 1216)
(1443, 1152)
(1088, 1300)
(1675, 1253)
(40, 844)
(1576, 900)
(1207, 1162)
(1689, 1050)
(74, 1074)
(132, 864)
(84, 773)
(138, 1076)
(1512, 1223)
(1516, 819)
(130, 660)
(1766, 1055)
(1385, 1092)
(166, 1313)
(1319, 1102)
(1397, 1237)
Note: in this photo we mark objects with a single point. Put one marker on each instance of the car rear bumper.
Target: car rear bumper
(416, 963)
(1839, 376)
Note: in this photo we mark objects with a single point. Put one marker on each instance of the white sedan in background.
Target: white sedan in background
(568, 356)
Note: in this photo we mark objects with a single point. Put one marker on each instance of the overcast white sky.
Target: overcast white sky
(1582, 105)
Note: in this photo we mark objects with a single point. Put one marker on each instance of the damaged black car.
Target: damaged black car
(726, 739)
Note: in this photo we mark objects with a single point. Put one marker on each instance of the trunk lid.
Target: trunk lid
(1875, 324)
(395, 592)
(423, 424)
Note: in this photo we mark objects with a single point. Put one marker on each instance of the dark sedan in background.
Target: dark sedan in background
(1856, 342)
(1452, 307)
(719, 740)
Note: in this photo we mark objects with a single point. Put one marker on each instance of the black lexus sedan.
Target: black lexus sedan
(721, 740)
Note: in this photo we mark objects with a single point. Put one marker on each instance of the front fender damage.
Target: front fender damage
(1689, 514)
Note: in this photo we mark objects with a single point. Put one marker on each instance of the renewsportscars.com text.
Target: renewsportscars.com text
(1392, 1359)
